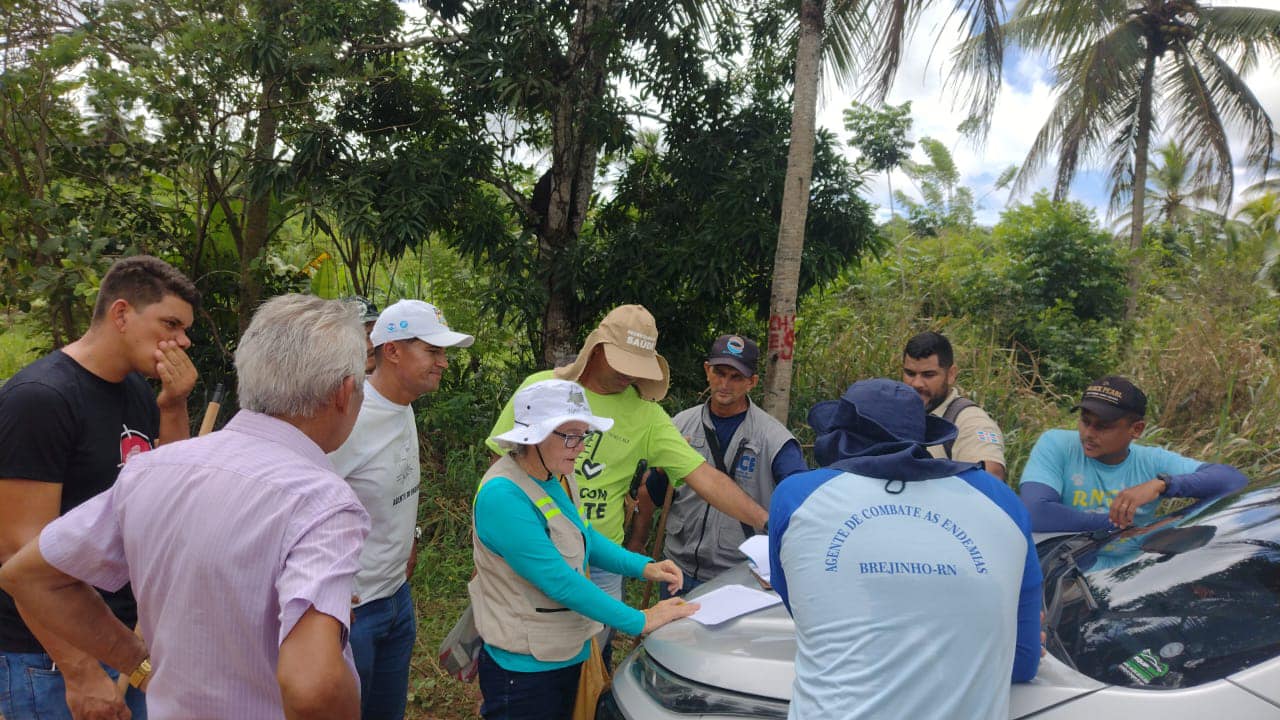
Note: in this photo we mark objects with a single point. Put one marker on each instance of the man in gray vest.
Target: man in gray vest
(739, 439)
(929, 368)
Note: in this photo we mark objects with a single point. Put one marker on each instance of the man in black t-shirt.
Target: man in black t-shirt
(68, 422)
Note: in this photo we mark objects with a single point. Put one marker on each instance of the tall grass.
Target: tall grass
(1204, 348)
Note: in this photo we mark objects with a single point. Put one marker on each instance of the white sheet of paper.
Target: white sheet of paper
(756, 548)
(731, 601)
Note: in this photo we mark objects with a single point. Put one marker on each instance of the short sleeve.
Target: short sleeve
(1171, 462)
(37, 433)
(1047, 463)
(320, 568)
(87, 544)
(978, 438)
(667, 447)
(349, 456)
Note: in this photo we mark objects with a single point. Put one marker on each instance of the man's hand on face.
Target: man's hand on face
(176, 372)
(1127, 502)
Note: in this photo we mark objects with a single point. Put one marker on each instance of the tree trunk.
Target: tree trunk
(574, 152)
(1141, 149)
(795, 208)
(257, 218)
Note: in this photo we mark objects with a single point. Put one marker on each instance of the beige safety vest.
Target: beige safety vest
(511, 613)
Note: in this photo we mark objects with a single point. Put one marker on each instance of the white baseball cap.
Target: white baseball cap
(408, 319)
(545, 406)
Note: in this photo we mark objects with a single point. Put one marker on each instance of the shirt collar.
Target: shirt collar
(278, 431)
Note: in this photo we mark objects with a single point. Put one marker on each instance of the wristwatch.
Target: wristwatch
(417, 533)
(141, 673)
(1164, 478)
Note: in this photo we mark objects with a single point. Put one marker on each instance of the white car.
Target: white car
(1180, 619)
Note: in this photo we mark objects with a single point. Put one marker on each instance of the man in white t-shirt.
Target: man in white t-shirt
(380, 461)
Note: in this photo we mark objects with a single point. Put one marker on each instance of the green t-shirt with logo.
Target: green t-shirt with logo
(641, 429)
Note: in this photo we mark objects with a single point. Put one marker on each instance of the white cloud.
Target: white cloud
(1022, 108)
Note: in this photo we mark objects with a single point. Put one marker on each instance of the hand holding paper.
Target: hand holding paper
(756, 548)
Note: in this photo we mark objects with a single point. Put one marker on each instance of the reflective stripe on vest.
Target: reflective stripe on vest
(547, 512)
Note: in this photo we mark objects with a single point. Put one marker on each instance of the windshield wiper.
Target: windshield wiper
(1072, 574)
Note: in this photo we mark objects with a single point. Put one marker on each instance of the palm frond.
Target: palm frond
(1237, 105)
(1196, 119)
(849, 32)
(1064, 27)
(1225, 27)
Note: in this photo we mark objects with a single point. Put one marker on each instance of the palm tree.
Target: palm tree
(1125, 65)
(1178, 191)
(865, 35)
(1262, 217)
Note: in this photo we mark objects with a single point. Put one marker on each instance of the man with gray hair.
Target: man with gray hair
(241, 545)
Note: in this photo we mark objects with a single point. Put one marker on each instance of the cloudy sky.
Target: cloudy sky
(1024, 104)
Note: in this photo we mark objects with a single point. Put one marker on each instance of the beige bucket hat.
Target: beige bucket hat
(630, 338)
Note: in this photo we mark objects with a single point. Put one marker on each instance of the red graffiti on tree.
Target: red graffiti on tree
(782, 336)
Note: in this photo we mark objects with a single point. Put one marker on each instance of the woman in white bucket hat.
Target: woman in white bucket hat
(534, 606)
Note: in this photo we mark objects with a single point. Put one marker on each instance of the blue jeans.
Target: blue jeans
(382, 637)
(31, 690)
(509, 695)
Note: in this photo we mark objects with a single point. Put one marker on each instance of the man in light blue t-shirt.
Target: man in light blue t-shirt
(894, 564)
(1097, 479)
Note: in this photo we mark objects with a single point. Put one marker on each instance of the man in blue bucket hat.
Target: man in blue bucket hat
(893, 563)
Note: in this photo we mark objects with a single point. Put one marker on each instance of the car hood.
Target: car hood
(755, 655)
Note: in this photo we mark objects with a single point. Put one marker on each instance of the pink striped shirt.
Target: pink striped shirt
(227, 539)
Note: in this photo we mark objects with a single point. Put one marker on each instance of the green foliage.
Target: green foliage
(17, 347)
(1057, 295)
(690, 226)
(1205, 346)
(697, 226)
(880, 135)
(945, 203)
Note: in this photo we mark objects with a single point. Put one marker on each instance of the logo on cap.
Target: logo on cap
(734, 345)
(1104, 393)
(640, 340)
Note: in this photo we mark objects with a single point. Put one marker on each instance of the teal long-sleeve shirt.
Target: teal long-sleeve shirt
(509, 525)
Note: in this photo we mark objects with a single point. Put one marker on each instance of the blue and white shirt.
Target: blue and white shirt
(919, 603)
(1087, 485)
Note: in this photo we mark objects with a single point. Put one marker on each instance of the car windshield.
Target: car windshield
(1192, 598)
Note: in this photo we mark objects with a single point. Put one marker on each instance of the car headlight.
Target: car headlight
(684, 696)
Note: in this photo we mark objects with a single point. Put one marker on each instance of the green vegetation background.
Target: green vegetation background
(1034, 307)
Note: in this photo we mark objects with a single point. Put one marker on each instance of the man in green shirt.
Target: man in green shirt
(625, 377)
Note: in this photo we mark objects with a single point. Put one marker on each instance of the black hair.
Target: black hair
(930, 343)
(141, 280)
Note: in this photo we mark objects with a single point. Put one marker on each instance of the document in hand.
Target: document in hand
(731, 601)
(756, 548)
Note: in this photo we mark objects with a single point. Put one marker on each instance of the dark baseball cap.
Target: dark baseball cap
(1113, 397)
(735, 351)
